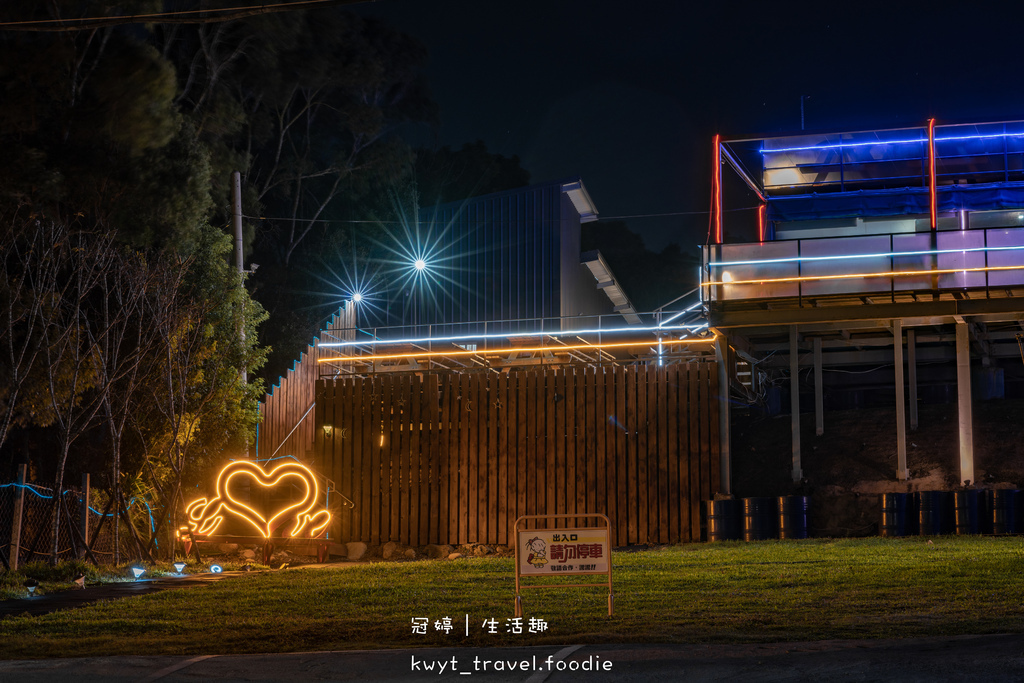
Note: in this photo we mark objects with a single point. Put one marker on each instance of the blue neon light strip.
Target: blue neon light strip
(32, 488)
(853, 256)
(843, 145)
(503, 335)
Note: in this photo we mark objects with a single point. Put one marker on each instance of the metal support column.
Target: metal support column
(912, 375)
(963, 385)
(725, 457)
(819, 400)
(901, 419)
(794, 400)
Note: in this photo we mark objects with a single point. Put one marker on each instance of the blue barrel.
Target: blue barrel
(723, 520)
(897, 515)
(932, 512)
(759, 519)
(792, 512)
(967, 511)
(1003, 509)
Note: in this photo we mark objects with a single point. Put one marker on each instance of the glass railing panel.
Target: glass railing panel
(972, 242)
(914, 261)
(1009, 237)
(868, 257)
(746, 262)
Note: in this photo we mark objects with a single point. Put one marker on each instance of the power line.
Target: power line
(601, 218)
(199, 16)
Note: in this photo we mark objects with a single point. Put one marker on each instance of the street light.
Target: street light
(419, 264)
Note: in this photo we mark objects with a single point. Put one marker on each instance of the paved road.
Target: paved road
(961, 658)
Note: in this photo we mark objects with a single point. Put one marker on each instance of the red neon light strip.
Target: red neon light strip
(761, 210)
(933, 202)
(716, 189)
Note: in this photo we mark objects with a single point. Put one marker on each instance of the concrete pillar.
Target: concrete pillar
(819, 400)
(725, 456)
(794, 400)
(912, 375)
(963, 385)
(902, 472)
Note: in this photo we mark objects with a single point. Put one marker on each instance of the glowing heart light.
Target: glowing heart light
(204, 516)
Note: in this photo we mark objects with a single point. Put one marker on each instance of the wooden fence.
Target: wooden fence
(286, 424)
(456, 458)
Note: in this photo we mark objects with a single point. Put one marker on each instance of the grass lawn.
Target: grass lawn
(724, 593)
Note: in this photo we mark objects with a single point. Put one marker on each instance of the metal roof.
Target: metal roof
(607, 283)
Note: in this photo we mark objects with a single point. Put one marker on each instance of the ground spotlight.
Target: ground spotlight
(216, 568)
(31, 585)
(79, 579)
(179, 567)
(138, 571)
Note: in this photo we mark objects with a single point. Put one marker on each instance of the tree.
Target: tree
(444, 175)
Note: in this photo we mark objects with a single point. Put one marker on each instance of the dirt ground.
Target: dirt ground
(855, 459)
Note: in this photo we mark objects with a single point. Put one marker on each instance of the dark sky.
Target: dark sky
(628, 94)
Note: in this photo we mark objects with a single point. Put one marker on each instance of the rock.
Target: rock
(454, 556)
(228, 547)
(411, 554)
(355, 550)
(482, 550)
(388, 551)
(439, 551)
(249, 554)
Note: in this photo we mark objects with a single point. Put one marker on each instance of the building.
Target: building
(879, 251)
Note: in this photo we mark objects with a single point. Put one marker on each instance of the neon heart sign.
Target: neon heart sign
(204, 516)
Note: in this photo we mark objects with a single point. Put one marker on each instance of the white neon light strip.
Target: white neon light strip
(842, 145)
(668, 320)
(505, 335)
(837, 257)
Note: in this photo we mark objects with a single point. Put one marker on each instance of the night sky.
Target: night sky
(627, 95)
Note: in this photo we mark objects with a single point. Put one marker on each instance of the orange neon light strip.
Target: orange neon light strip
(204, 517)
(932, 195)
(448, 354)
(716, 189)
(898, 273)
(761, 211)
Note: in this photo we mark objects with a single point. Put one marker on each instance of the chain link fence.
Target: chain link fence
(36, 526)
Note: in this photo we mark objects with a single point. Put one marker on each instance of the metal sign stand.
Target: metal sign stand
(606, 544)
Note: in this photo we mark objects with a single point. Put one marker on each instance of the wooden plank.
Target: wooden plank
(533, 409)
(445, 473)
(430, 502)
(470, 421)
(641, 454)
(671, 401)
(714, 428)
(480, 425)
(559, 443)
(549, 483)
(466, 490)
(661, 400)
(693, 499)
(343, 450)
(491, 458)
(682, 419)
(705, 432)
(377, 456)
(388, 455)
(605, 492)
(590, 429)
(622, 456)
(505, 478)
(400, 463)
(571, 415)
(653, 485)
(348, 456)
(419, 466)
(367, 439)
(584, 476)
(518, 442)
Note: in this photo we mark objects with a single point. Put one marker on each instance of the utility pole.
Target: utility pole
(236, 223)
